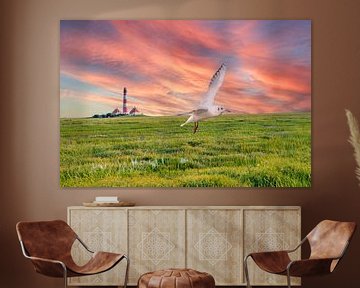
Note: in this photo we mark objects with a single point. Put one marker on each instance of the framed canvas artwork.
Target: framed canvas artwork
(185, 103)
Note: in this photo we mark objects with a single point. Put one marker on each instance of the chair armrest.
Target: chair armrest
(84, 245)
(268, 254)
(298, 246)
(45, 260)
(279, 251)
(309, 267)
(48, 267)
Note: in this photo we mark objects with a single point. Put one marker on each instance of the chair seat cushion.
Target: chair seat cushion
(176, 278)
(272, 262)
(99, 262)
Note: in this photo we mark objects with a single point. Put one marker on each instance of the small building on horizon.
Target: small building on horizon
(116, 111)
(134, 111)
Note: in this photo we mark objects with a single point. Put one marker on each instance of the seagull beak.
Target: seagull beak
(226, 110)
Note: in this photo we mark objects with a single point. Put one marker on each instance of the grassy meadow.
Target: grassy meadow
(227, 151)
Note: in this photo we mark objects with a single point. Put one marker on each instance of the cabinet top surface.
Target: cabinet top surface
(192, 207)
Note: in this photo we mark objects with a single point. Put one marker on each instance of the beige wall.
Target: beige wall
(29, 112)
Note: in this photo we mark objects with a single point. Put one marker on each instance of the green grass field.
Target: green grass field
(227, 151)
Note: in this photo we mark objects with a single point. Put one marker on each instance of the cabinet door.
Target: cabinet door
(271, 230)
(214, 244)
(156, 240)
(101, 230)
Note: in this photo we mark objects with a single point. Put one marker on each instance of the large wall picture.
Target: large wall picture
(185, 103)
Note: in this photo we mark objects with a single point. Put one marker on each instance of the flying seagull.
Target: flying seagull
(207, 107)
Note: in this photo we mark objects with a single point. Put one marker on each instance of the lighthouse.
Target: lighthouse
(124, 102)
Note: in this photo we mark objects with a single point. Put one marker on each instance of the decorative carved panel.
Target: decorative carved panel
(156, 240)
(214, 241)
(101, 230)
(270, 230)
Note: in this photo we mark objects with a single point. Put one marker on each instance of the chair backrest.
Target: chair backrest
(329, 239)
(46, 239)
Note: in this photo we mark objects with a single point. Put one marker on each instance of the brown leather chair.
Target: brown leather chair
(328, 242)
(48, 245)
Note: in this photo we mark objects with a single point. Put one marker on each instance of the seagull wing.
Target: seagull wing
(201, 110)
(185, 113)
(214, 85)
(197, 111)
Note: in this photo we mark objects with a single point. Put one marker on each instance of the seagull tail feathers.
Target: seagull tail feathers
(187, 121)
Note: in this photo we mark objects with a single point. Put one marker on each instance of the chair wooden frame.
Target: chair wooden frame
(304, 267)
(66, 271)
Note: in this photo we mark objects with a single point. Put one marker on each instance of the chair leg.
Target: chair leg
(288, 278)
(65, 276)
(246, 270)
(127, 271)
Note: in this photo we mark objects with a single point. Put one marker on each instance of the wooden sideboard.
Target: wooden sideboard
(212, 239)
